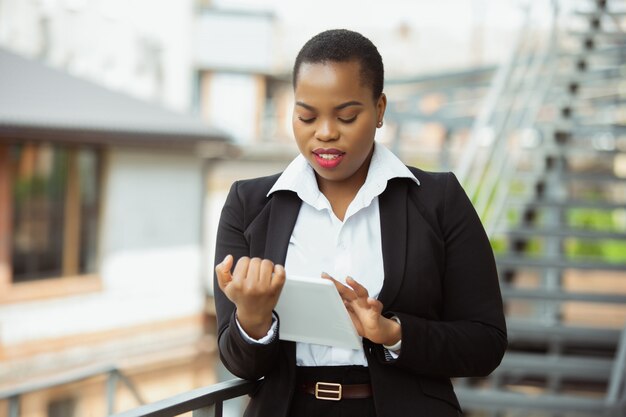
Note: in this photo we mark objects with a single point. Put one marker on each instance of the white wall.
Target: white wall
(234, 40)
(151, 248)
(232, 104)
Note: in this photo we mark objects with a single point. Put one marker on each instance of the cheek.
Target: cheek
(299, 133)
(364, 139)
(365, 132)
(295, 126)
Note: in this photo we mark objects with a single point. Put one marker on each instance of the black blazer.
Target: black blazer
(440, 281)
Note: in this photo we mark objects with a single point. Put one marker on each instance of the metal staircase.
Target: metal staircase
(546, 168)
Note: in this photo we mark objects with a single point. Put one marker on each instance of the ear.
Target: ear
(381, 105)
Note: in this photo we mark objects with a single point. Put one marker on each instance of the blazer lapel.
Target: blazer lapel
(393, 225)
(283, 214)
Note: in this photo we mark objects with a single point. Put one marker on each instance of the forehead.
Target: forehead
(341, 79)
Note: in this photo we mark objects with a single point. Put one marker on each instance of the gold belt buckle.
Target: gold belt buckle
(329, 390)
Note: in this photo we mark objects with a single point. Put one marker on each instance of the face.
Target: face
(335, 120)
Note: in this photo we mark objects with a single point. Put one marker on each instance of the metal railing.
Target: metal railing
(114, 376)
(509, 111)
(202, 402)
(612, 404)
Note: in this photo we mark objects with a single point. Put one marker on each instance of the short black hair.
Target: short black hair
(341, 45)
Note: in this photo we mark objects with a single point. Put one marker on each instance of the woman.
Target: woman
(424, 291)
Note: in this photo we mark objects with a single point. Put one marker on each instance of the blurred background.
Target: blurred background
(123, 124)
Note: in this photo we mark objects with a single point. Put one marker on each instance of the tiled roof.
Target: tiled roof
(41, 103)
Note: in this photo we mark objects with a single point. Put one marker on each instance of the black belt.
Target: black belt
(334, 392)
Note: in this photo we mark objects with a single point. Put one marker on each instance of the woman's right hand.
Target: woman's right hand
(254, 287)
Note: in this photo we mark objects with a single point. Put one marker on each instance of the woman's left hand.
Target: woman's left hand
(365, 313)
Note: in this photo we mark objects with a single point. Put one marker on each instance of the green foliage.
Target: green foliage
(24, 188)
(601, 220)
(498, 245)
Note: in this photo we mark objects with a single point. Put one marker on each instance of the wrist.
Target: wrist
(394, 332)
(255, 325)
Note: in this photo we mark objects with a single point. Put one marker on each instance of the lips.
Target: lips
(328, 158)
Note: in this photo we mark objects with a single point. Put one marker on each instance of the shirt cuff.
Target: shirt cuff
(265, 340)
(390, 355)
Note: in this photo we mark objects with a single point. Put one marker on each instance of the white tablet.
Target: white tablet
(311, 311)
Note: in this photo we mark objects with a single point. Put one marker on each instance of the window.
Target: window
(64, 407)
(50, 196)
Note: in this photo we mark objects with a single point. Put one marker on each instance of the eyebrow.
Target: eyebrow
(339, 107)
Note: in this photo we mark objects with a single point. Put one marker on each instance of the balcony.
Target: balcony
(202, 402)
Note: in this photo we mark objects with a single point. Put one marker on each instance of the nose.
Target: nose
(326, 130)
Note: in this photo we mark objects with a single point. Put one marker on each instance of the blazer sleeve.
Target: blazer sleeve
(244, 359)
(469, 338)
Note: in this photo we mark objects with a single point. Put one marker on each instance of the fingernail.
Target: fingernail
(226, 257)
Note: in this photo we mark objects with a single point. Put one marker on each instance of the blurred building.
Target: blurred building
(101, 272)
(141, 47)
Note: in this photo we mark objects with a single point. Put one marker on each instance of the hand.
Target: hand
(254, 287)
(365, 313)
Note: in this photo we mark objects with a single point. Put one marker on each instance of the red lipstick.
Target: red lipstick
(328, 158)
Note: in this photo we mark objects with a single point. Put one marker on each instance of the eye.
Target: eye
(350, 120)
(306, 120)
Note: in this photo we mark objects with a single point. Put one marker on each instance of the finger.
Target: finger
(327, 276)
(360, 290)
(225, 266)
(356, 322)
(278, 278)
(252, 277)
(349, 307)
(375, 305)
(345, 292)
(265, 272)
(222, 271)
(241, 269)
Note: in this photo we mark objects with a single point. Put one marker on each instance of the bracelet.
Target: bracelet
(396, 346)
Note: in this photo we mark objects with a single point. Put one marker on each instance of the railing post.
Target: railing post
(131, 387)
(214, 410)
(14, 406)
(111, 390)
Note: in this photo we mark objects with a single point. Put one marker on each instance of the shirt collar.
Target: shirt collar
(299, 177)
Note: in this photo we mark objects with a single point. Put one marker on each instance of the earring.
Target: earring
(380, 124)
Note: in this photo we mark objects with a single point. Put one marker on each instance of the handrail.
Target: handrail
(540, 79)
(14, 393)
(495, 93)
(62, 379)
(534, 101)
(511, 106)
(205, 402)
